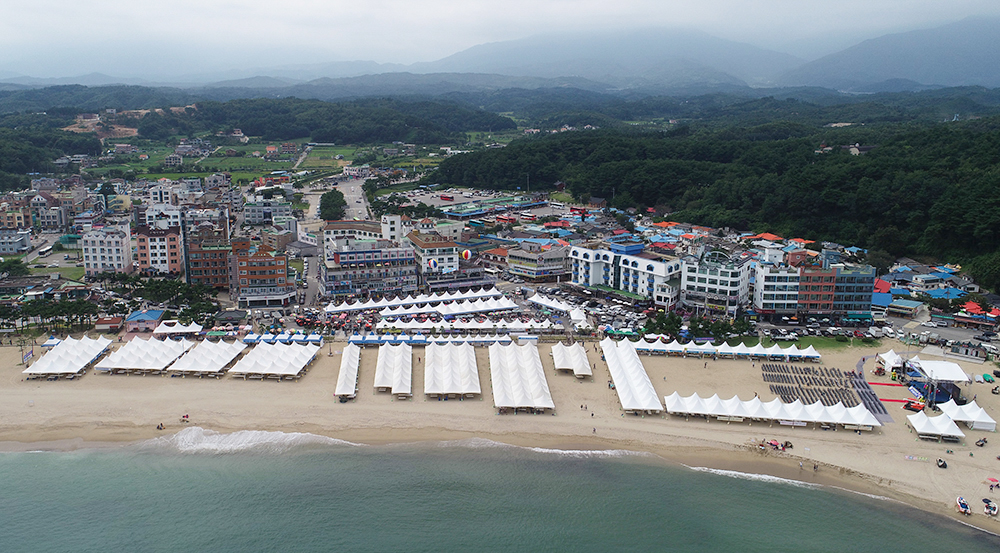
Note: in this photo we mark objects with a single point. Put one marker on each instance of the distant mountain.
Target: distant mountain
(254, 82)
(964, 53)
(90, 79)
(663, 58)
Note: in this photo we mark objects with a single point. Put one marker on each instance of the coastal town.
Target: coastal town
(519, 303)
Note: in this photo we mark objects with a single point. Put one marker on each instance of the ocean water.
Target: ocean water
(263, 491)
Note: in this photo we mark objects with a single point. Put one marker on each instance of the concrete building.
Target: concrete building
(776, 290)
(160, 251)
(258, 276)
(277, 239)
(852, 293)
(14, 241)
(108, 249)
(262, 212)
(626, 268)
(354, 268)
(12, 217)
(396, 227)
(716, 283)
(356, 229)
(816, 290)
(438, 265)
(534, 262)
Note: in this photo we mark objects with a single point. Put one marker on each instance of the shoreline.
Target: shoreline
(105, 412)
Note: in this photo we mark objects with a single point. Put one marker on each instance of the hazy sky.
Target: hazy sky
(157, 38)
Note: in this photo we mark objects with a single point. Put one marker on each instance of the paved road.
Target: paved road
(357, 204)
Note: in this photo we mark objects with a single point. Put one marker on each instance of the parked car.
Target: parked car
(982, 338)
(931, 324)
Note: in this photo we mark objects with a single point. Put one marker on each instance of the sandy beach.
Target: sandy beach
(107, 410)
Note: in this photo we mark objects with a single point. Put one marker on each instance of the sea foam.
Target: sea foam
(195, 439)
(756, 477)
(483, 443)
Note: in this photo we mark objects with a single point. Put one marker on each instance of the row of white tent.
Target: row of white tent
(551, 303)
(571, 358)
(635, 391)
(451, 369)
(144, 355)
(174, 326)
(372, 339)
(347, 378)
(725, 350)
(940, 371)
(974, 416)
(208, 358)
(463, 307)
(283, 338)
(275, 361)
(69, 357)
(412, 300)
(774, 410)
(518, 378)
(517, 325)
(941, 426)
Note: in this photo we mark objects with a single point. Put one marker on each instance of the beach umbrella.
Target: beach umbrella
(994, 480)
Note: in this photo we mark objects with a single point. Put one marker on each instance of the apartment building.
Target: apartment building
(361, 268)
(261, 211)
(107, 249)
(438, 265)
(258, 276)
(776, 290)
(15, 241)
(537, 263)
(159, 251)
(716, 283)
(627, 269)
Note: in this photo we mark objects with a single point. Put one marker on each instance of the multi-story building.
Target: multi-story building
(776, 290)
(12, 217)
(852, 293)
(218, 180)
(534, 262)
(258, 277)
(261, 211)
(355, 229)
(716, 283)
(396, 227)
(15, 241)
(162, 216)
(107, 249)
(160, 251)
(438, 266)
(277, 239)
(162, 194)
(54, 218)
(625, 268)
(208, 263)
(367, 267)
(173, 160)
(816, 289)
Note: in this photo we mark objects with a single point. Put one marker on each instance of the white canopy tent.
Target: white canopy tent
(635, 391)
(412, 300)
(974, 416)
(394, 369)
(518, 378)
(69, 357)
(890, 360)
(173, 326)
(551, 303)
(347, 378)
(450, 369)
(509, 326)
(734, 409)
(275, 361)
(941, 426)
(208, 358)
(140, 355)
(940, 371)
(571, 358)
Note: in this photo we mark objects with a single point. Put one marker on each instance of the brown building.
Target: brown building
(160, 250)
(258, 277)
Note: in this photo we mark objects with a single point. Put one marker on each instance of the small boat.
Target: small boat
(942, 464)
(990, 509)
(963, 506)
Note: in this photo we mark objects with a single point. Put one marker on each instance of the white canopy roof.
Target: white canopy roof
(174, 326)
(891, 359)
(635, 391)
(147, 355)
(941, 371)
(518, 378)
(465, 325)
(208, 357)
(572, 358)
(412, 300)
(452, 309)
(451, 369)
(275, 360)
(551, 303)
(941, 425)
(772, 410)
(394, 369)
(347, 379)
(69, 357)
(974, 416)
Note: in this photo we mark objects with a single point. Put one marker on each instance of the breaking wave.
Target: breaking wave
(755, 477)
(199, 440)
(483, 443)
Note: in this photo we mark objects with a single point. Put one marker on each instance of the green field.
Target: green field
(69, 273)
(564, 197)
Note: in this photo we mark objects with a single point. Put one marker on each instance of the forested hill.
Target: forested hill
(29, 150)
(360, 121)
(930, 190)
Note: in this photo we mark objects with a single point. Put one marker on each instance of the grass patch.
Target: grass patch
(297, 264)
(564, 197)
(68, 273)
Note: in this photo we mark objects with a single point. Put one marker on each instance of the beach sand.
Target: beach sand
(103, 410)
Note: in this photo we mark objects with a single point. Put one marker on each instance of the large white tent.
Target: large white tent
(69, 357)
(140, 355)
(276, 361)
(974, 416)
(518, 378)
(724, 350)
(735, 409)
(890, 360)
(487, 325)
(551, 303)
(635, 391)
(464, 307)
(442, 297)
(451, 369)
(174, 326)
(208, 358)
(347, 378)
(571, 358)
(394, 369)
(940, 426)
(940, 371)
